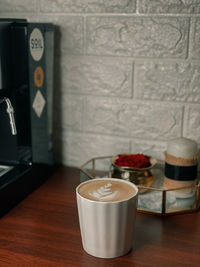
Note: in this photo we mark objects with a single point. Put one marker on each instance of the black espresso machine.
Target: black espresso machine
(26, 99)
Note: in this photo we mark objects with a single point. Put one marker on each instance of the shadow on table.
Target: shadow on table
(147, 230)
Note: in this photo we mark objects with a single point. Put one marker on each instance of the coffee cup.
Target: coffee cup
(107, 211)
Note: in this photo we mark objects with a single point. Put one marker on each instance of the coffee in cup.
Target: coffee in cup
(107, 210)
(106, 190)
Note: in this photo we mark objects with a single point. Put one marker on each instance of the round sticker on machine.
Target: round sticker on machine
(39, 76)
(36, 43)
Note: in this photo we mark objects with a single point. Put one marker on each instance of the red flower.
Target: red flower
(133, 160)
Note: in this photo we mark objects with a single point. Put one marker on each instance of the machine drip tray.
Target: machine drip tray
(4, 169)
(17, 181)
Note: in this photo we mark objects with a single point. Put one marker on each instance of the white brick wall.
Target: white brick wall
(127, 73)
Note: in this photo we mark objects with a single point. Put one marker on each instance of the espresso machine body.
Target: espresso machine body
(26, 99)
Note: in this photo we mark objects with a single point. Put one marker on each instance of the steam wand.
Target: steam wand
(10, 111)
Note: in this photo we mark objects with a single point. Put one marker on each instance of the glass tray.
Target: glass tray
(154, 199)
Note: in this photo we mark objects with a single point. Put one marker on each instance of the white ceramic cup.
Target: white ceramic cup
(107, 228)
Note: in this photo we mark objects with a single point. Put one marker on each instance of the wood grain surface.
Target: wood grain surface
(43, 230)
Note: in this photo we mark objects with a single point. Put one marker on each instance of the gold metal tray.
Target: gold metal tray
(154, 198)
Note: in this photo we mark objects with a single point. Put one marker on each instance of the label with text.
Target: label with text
(36, 43)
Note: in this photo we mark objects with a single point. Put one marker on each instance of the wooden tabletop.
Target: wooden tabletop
(43, 230)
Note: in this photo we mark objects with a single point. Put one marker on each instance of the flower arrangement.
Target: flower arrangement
(135, 168)
(133, 161)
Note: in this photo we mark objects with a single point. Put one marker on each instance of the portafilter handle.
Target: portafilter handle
(10, 111)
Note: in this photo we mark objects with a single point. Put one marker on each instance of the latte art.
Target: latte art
(107, 190)
(104, 193)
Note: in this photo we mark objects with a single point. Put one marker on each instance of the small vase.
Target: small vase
(138, 176)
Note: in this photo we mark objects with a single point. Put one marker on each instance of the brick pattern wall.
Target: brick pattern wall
(127, 73)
